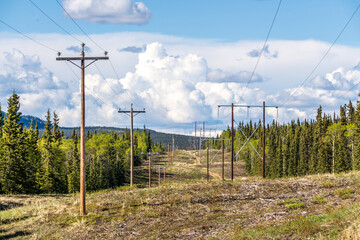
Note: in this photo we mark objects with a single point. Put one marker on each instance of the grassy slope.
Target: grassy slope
(187, 207)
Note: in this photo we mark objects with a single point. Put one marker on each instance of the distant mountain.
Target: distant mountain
(181, 141)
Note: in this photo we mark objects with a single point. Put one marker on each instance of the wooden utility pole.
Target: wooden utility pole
(131, 140)
(195, 140)
(263, 143)
(159, 175)
(232, 141)
(82, 60)
(232, 133)
(149, 169)
(173, 148)
(207, 164)
(164, 174)
(169, 153)
(223, 161)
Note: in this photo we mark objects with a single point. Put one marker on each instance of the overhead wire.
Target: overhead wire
(111, 64)
(25, 35)
(54, 21)
(262, 50)
(79, 26)
(96, 97)
(323, 57)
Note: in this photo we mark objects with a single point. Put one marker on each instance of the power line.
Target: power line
(32, 39)
(79, 27)
(79, 41)
(262, 50)
(112, 66)
(326, 53)
(54, 21)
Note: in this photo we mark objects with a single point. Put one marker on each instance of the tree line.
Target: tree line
(327, 144)
(50, 163)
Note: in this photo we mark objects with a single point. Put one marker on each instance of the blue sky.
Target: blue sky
(230, 20)
(204, 50)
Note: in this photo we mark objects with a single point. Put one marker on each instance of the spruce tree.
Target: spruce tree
(304, 149)
(74, 166)
(48, 173)
(34, 160)
(356, 136)
(56, 133)
(13, 174)
(317, 137)
(342, 151)
(1, 122)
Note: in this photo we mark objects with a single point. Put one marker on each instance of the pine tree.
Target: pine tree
(33, 159)
(48, 173)
(272, 161)
(56, 133)
(1, 122)
(325, 148)
(13, 174)
(317, 134)
(304, 149)
(342, 151)
(351, 113)
(74, 166)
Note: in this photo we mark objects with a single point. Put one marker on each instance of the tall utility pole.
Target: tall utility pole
(173, 148)
(207, 163)
(195, 140)
(82, 60)
(131, 140)
(232, 132)
(232, 141)
(223, 162)
(263, 143)
(149, 169)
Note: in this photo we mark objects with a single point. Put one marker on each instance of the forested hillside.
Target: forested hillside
(30, 163)
(324, 145)
(181, 141)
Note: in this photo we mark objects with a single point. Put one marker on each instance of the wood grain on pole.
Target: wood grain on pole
(232, 141)
(131, 147)
(223, 161)
(263, 143)
(149, 170)
(82, 138)
(207, 164)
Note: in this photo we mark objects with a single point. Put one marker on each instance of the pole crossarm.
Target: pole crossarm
(246, 106)
(80, 58)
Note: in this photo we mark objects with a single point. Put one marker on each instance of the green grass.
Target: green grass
(318, 199)
(188, 207)
(345, 193)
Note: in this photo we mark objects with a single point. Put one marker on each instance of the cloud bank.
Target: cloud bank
(108, 11)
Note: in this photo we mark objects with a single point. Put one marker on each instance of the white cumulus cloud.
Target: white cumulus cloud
(108, 11)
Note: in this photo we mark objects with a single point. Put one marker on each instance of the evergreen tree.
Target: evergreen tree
(56, 133)
(74, 165)
(305, 149)
(48, 158)
(317, 137)
(33, 159)
(1, 122)
(356, 152)
(13, 174)
(342, 151)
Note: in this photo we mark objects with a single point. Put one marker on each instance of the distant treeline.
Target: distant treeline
(324, 145)
(51, 163)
